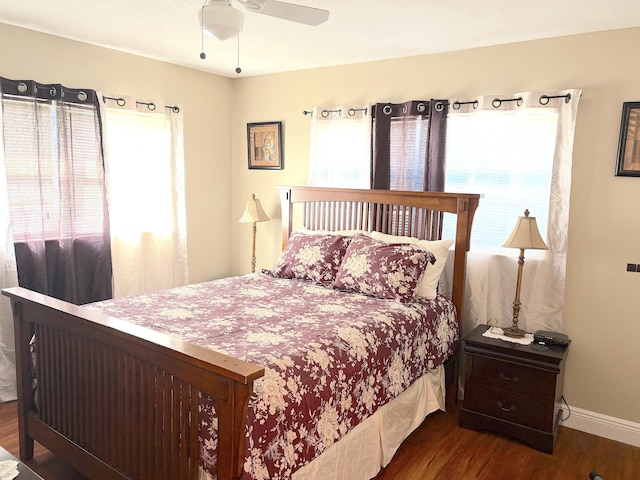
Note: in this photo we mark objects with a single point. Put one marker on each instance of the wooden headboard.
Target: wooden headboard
(414, 214)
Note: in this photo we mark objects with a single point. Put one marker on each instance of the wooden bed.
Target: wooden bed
(118, 401)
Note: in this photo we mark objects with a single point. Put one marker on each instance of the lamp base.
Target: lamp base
(514, 332)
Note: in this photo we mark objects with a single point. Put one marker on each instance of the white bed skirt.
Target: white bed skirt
(361, 453)
(371, 445)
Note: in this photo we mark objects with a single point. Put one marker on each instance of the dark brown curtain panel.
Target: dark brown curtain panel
(56, 190)
(408, 142)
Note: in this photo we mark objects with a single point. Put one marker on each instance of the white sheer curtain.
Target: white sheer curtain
(541, 183)
(340, 153)
(144, 159)
(8, 278)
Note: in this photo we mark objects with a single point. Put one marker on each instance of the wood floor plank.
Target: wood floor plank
(438, 449)
(470, 459)
(509, 462)
(629, 463)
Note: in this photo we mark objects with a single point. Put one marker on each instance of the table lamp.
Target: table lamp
(525, 235)
(253, 213)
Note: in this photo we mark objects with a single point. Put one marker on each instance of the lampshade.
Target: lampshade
(253, 212)
(525, 234)
(219, 19)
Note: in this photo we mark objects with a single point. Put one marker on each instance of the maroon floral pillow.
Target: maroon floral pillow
(312, 257)
(383, 270)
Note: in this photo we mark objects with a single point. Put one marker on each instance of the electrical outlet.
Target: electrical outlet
(632, 267)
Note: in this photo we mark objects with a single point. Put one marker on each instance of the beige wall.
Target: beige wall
(602, 313)
(206, 102)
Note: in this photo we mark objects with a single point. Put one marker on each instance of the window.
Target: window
(517, 153)
(52, 156)
(408, 145)
(507, 156)
(139, 172)
(340, 153)
(145, 184)
(407, 152)
(44, 180)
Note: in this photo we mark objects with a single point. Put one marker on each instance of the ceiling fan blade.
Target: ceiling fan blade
(288, 11)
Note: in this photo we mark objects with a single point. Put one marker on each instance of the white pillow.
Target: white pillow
(428, 286)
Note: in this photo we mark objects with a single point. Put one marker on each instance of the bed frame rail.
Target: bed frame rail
(119, 401)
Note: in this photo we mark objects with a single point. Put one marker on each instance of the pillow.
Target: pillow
(383, 270)
(312, 257)
(428, 287)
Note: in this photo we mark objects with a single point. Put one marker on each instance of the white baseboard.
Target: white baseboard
(613, 428)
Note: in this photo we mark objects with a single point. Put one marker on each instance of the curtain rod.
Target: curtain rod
(439, 106)
(456, 105)
(121, 102)
(497, 102)
(325, 113)
(544, 99)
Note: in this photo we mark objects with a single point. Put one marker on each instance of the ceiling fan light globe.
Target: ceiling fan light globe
(221, 20)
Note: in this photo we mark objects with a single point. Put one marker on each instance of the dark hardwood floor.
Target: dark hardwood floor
(438, 449)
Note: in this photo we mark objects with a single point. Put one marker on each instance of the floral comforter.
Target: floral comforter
(331, 358)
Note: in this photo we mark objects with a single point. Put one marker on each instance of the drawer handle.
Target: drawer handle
(513, 379)
(504, 409)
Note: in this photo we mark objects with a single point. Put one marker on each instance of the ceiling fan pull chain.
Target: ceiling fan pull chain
(202, 54)
(238, 69)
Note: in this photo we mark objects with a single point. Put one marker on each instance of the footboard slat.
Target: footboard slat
(185, 406)
(119, 401)
(127, 415)
(165, 423)
(143, 427)
(193, 433)
(157, 427)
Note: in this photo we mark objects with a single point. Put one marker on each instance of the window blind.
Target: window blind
(39, 164)
(507, 156)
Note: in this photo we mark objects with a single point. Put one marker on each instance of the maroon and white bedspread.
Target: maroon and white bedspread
(331, 358)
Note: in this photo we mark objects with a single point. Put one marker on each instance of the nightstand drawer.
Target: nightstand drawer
(508, 376)
(513, 407)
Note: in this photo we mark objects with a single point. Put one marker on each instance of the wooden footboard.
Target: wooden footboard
(120, 401)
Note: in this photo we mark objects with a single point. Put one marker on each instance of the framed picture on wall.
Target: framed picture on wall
(264, 142)
(628, 164)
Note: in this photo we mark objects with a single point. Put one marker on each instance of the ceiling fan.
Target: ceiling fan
(220, 19)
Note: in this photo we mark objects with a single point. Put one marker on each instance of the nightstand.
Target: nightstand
(512, 389)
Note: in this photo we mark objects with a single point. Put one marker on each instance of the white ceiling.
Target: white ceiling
(357, 30)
